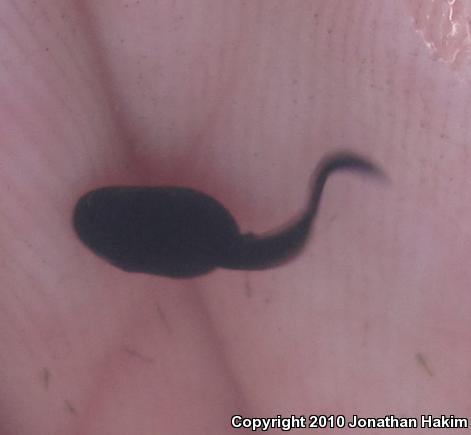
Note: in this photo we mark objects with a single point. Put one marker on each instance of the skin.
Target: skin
(237, 99)
(182, 233)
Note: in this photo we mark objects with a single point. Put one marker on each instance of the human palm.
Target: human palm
(238, 100)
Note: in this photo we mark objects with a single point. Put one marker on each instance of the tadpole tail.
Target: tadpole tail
(257, 252)
(339, 161)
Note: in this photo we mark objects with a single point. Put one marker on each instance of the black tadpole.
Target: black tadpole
(182, 233)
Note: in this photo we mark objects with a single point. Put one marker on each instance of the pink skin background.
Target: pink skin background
(239, 99)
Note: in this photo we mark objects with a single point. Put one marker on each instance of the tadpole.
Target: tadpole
(180, 232)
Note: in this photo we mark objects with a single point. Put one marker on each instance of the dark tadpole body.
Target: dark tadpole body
(182, 233)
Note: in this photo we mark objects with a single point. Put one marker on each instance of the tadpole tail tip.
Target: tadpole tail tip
(377, 172)
(349, 161)
(370, 169)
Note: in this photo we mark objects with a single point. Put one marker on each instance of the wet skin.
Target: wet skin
(181, 233)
